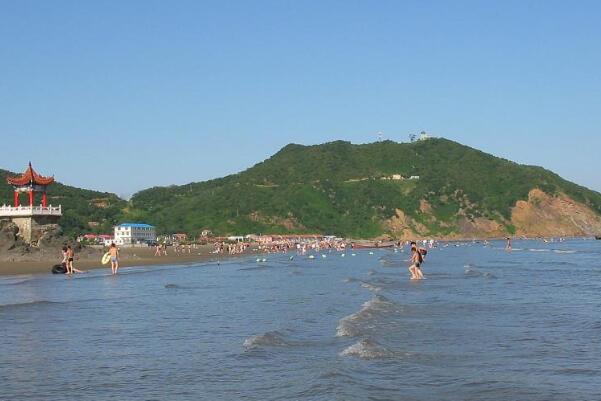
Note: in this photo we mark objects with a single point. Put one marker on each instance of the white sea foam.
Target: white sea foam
(367, 349)
(269, 339)
(354, 324)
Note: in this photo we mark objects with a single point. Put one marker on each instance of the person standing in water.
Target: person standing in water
(416, 261)
(508, 246)
(114, 252)
(65, 261)
(70, 258)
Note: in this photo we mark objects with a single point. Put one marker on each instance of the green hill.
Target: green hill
(83, 210)
(347, 189)
(352, 190)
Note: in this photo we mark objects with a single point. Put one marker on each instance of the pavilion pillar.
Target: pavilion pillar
(30, 197)
(44, 200)
(17, 199)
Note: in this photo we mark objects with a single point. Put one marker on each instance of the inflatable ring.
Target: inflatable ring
(59, 269)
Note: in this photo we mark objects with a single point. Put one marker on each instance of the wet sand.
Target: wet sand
(128, 257)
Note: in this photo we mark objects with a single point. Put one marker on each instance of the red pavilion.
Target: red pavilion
(31, 182)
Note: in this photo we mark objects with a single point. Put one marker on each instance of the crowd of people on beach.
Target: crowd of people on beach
(230, 248)
(301, 247)
(160, 249)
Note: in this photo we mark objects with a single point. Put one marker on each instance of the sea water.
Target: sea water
(485, 325)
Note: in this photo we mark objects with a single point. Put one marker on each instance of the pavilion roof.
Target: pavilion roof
(30, 177)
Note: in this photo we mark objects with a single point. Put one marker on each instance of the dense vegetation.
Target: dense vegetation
(83, 210)
(335, 188)
(338, 188)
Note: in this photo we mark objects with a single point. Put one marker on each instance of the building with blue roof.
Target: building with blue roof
(134, 233)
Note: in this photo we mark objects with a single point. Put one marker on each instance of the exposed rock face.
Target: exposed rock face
(404, 227)
(545, 215)
(8, 235)
(480, 228)
(51, 236)
(542, 215)
(48, 247)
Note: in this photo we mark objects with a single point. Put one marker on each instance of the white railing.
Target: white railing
(16, 211)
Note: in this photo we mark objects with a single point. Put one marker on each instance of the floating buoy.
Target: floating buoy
(342, 255)
(291, 257)
(323, 256)
(264, 260)
(311, 257)
(371, 253)
(353, 254)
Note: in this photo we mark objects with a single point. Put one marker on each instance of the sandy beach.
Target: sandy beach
(128, 257)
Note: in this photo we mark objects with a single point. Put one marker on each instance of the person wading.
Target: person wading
(416, 261)
(114, 252)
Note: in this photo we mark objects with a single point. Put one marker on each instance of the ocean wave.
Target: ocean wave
(262, 267)
(16, 280)
(269, 339)
(367, 349)
(473, 272)
(563, 251)
(172, 286)
(41, 302)
(370, 286)
(352, 325)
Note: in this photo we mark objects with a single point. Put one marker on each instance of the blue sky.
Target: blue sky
(124, 95)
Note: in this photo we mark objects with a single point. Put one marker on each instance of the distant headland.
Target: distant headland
(428, 188)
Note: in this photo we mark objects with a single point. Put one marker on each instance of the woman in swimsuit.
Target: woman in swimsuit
(65, 261)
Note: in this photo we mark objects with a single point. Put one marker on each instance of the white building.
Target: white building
(424, 136)
(132, 233)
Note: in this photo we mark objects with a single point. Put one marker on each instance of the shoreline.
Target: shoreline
(129, 257)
